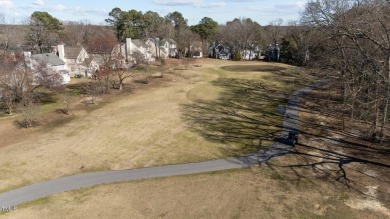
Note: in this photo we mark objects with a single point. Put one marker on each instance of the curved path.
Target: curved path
(43, 189)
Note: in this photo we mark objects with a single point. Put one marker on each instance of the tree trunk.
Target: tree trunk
(386, 107)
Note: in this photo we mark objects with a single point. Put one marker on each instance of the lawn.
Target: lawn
(215, 110)
(259, 192)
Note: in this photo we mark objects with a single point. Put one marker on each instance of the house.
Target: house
(196, 50)
(166, 48)
(250, 54)
(219, 51)
(170, 47)
(124, 52)
(75, 59)
(50, 60)
(156, 48)
(272, 53)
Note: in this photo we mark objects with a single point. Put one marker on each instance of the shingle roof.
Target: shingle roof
(138, 43)
(72, 52)
(170, 41)
(49, 58)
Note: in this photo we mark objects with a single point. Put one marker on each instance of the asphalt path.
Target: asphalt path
(43, 189)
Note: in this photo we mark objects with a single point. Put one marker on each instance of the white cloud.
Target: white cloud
(285, 8)
(39, 3)
(194, 3)
(7, 4)
(178, 2)
(84, 11)
(243, 1)
(59, 7)
(213, 5)
(291, 5)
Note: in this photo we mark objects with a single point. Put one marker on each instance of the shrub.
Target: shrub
(236, 56)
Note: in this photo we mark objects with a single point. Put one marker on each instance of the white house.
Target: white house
(125, 51)
(51, 61)
(156, 51)
(170, 46)
(74, 58)
(247, 54)
(196, 49)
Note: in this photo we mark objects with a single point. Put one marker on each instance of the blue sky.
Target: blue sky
(262, 11)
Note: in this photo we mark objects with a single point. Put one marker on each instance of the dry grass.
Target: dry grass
(150, 131)
(259, 192)
(143, 129)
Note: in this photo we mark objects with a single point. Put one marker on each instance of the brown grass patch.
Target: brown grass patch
(259, 192)
(142, 126)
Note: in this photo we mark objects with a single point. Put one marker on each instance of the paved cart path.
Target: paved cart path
(43, 189)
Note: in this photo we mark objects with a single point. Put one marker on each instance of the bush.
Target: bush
(236, 56)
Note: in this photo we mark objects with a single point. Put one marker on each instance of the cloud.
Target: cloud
(59, 7)
(39, 3)
(286, 8)
(7, 4)
(193, 3)
(244, 0)
(178, 2)
(83, 11)
(291, 5)
(212, 5)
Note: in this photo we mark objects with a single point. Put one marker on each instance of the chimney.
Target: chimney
(128, 48)
(27, 59)
(61, 52)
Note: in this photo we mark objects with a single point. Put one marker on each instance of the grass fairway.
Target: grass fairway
(217, 110)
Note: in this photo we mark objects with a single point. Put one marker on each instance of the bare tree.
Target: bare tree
(121, 70)
(240, 34)
(18, 81)
(354, 40)
(15, 81)
(273, 32)
(5, 32)
(29, 113)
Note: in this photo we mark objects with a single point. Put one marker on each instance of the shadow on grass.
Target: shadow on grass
(253, 68)
(245, 115)
(332, 156)
(79, 88)
(45, 97)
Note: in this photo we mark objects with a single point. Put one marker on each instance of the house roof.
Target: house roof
(49, 58)
(72, 52)
(170, 41)
(138, 43)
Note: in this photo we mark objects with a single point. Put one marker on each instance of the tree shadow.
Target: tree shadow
(245, 115)
(253, 68)
(45, 97)
(329, 167)
(332, 155)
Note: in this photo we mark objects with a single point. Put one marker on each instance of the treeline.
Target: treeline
(350, 39)
(239, 34)
(44, 31)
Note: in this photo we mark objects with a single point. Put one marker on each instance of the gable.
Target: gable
(138, 43)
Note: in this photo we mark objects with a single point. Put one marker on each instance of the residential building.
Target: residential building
(50, 61)
(74, 58)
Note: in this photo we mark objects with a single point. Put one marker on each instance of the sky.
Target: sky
(96, 11)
